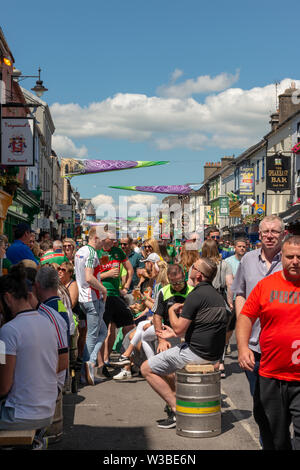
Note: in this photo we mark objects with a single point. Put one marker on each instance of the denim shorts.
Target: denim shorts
(8, 421)
(175, 358)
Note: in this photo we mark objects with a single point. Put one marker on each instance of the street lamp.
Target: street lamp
(38, 89)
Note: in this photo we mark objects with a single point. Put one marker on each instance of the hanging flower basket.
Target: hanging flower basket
(296, 148)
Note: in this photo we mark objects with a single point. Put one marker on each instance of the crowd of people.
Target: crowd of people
(158, 307)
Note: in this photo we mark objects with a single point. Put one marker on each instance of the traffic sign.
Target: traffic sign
(260, 209)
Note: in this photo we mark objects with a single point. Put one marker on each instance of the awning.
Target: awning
(291, 215)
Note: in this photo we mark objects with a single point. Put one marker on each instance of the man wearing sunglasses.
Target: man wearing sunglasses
(214, 234)
(173, 293)
(202, 321)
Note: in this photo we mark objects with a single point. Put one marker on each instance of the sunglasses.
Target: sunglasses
(62, 269)
(193, 267)
(148, 246)
(67, 246)
(215, 237)
(179, 283)
(123, 244)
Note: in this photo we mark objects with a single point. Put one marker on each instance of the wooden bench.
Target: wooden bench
(14, 438)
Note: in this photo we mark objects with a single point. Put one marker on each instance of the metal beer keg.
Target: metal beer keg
(198, 401)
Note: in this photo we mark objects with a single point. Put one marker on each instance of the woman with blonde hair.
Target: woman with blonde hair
(144, 333)
(187, 258)
(151, 245)
(69, 247)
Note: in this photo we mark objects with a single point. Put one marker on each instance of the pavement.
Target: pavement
(121, 416)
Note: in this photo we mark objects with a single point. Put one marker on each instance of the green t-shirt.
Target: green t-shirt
(109, 260)
(54, 257)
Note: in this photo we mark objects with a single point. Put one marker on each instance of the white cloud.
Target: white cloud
(65, 147)
(102, 199)
(142, 199)
(233, 118)
(176, 74)
(202, 84)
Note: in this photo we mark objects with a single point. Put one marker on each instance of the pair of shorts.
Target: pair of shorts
(117, 312)
(232, 321)
(167, 362)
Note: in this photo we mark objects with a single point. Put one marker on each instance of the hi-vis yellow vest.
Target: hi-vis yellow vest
(167, 294)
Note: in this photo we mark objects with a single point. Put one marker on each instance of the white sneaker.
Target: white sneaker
(123, 375)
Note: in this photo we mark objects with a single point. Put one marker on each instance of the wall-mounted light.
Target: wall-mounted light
(38, 89)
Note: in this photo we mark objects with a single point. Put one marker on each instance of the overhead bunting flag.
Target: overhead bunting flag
(72, 167)
(233, 197)
(173, 189)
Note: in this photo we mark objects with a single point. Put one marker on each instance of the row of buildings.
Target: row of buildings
(31, 187)
(237, 192)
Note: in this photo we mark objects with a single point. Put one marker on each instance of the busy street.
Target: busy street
(97, 419)
(149, 231)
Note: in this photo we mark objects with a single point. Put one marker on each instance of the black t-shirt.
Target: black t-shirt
(207, 333)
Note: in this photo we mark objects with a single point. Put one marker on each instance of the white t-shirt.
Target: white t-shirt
(33, 340)
(61, 329)
(86, 257)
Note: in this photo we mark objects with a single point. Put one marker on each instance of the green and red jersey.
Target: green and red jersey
(109, 260)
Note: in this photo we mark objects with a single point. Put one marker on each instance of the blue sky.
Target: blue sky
(186, 81)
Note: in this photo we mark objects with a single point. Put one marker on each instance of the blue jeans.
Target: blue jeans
(96, 329)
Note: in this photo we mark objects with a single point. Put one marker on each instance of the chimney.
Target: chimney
(289, 102)
(210, 168)
(274, 120)
(226, 160)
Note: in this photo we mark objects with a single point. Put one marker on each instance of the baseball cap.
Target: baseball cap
(154, 258)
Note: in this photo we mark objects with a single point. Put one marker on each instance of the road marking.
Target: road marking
(238, 415)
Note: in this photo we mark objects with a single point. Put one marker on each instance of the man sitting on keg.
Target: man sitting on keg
(202, 321)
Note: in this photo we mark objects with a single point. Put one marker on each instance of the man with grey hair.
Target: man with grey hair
(44, 284)
(254, 266)
(202, 321)
(46, 288)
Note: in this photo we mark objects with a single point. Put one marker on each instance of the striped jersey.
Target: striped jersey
(86, 257)
(61, 329)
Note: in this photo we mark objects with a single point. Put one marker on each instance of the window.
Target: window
(257, 199)
(257, 170)
(263, 168)
(263, 198)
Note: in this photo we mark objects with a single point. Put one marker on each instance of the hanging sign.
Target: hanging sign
(246, 181)
(224, 206)
(17, 141)
(278, 173)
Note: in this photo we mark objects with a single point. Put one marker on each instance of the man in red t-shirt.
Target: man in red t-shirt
(276, 302)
